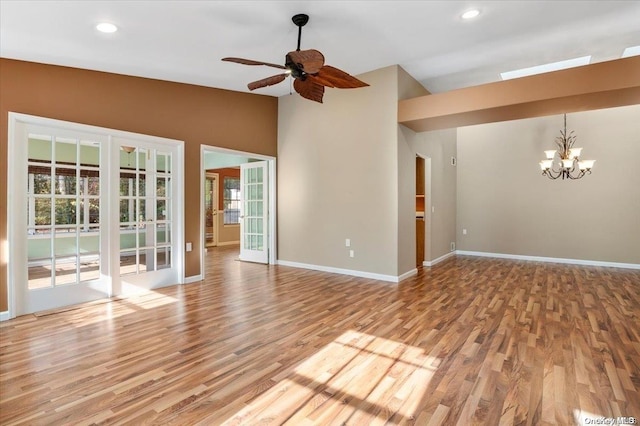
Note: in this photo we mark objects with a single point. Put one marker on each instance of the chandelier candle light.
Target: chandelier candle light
(569, 165)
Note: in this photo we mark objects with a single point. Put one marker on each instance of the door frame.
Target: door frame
(11, 259)
(428, 210)
(272, 229)
(215, 176)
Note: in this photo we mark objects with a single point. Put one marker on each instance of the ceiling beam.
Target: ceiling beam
(601, 85)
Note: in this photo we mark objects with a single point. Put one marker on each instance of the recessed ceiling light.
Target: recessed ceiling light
(106, 27)
(631, 51)
(539, 69)
(470, 14)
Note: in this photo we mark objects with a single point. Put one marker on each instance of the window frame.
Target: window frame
(234, 199)
(82, 196)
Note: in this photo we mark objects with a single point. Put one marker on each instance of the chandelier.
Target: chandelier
(569, 165)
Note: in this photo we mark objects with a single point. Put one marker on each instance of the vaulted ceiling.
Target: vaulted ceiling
(183, 41)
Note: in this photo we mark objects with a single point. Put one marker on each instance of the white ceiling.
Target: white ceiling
(184, 41)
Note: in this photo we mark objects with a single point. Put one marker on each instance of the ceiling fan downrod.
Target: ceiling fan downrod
(300, 20)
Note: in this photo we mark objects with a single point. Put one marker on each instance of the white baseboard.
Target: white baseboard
(550, 259)
(408, 274)
(438, 260)
(193, 279)
(4, 316)
(229, 243)
(351, 272)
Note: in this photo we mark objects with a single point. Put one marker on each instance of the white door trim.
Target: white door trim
(216, 202)
(11, 259)
(427, 208)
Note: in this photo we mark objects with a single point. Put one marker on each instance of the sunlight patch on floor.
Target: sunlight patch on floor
(354, 378)
(118, 307)
(150, 300)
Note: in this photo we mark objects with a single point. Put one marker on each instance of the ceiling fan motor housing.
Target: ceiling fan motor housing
(300, 19)
(296, 70)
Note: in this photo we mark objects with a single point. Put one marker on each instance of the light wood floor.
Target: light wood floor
(470, 341)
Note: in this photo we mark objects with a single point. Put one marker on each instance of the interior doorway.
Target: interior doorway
(424, 210)
(211, 205)
(241, 216)
(420, 198)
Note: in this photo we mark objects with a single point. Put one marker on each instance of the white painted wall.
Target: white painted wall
(347, 170)
(408, 87)
(338, 177)
(439, 146)
(508, 207)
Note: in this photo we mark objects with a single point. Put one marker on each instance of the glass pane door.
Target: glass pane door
(63, 231)
(146, 224)
(253, 218)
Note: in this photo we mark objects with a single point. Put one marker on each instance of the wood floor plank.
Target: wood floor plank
(469, 341)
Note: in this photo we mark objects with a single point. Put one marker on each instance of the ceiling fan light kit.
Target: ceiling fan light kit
(306, 67)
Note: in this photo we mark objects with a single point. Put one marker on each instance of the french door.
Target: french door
(146, 215)
(254, 190)
(59, 199)
(88, 218)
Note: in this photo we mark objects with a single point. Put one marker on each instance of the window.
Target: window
(63, 211)
(128, 198)
(231, 200)
(39, 202)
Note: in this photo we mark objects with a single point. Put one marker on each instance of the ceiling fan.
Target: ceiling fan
(307, 68)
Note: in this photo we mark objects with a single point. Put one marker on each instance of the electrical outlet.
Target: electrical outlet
(351, 253)
(453, 246)
(347, 242)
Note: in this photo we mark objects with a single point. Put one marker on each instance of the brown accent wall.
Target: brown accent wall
(195, 114)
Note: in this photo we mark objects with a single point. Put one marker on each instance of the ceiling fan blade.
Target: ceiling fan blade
(252, 62)
(269, 81)
(310, 61)
(308, 89)
(333, 77)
